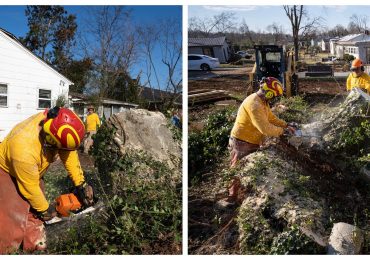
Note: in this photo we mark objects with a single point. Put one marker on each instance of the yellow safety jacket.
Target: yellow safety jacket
(92, 121)
(256, 120)
(23, 156)
(362, 81)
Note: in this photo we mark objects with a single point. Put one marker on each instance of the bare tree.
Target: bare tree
(338, 31)
(358, 24)
(148, 38)
(109, 41)
(244, 30)
(171, 48)
(222, 22)
(167, 37)
(277, 32)
(301, 24)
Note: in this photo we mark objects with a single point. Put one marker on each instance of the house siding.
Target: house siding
(24, 74)
(195, 50)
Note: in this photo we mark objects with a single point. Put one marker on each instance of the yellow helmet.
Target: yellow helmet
(272, 87)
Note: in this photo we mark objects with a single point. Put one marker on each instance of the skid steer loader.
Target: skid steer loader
(274, 61)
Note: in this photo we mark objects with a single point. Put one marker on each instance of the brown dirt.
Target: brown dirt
(236, 83)
(233, 81)
(86, 161)
(328, 86)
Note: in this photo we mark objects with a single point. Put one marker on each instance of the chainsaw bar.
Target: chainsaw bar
(298, 133)
(73, 216)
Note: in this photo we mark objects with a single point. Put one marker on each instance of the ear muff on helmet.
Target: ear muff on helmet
(362, 68)
(53, 113)
(269, 94)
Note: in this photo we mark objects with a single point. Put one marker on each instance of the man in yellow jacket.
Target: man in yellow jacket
(358, 78)
(25, 155)
(253, 123)
(92, 124)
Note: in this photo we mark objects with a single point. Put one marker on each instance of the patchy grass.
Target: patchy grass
(56, 181)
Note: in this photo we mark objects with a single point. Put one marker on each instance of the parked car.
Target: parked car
(244, 54)
(202, 62)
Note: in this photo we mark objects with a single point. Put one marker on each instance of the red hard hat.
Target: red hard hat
(272, 87)
(65, 130)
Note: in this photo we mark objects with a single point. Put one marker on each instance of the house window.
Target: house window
(44, 98)
(3, 95)
(351, 50)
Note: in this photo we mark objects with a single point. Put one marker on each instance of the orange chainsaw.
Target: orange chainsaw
(68, 206)
(67, 203)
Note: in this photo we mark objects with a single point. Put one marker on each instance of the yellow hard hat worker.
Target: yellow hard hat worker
(356, 64)
(358, 78)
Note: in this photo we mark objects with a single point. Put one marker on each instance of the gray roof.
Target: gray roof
(82, 98)
(198, 42)
(354, 38)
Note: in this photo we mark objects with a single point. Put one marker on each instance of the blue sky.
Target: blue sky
(13, 19)
(260, 16)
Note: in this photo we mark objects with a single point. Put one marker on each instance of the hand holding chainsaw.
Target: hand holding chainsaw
(85, 194)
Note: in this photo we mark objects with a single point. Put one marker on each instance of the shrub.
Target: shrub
(348, 58)
(295, 109)
(207, 146)
(143, 208)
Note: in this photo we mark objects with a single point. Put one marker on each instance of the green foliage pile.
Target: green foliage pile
(354, 141)
(293, 242)
(142, 205)
(348, 57)
(296, 109)
(263, 236)
(207, 146)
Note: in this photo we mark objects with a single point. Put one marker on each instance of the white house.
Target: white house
(357, 45)
(333, 44)
(27, 83)
(214, 47)
(324, 45)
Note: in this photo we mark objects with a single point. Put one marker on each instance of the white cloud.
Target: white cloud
(337, 8)
(231, 8)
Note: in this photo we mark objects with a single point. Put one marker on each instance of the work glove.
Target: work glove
(85, 194)
(293, 124)
(48, 214)
(289, 131)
